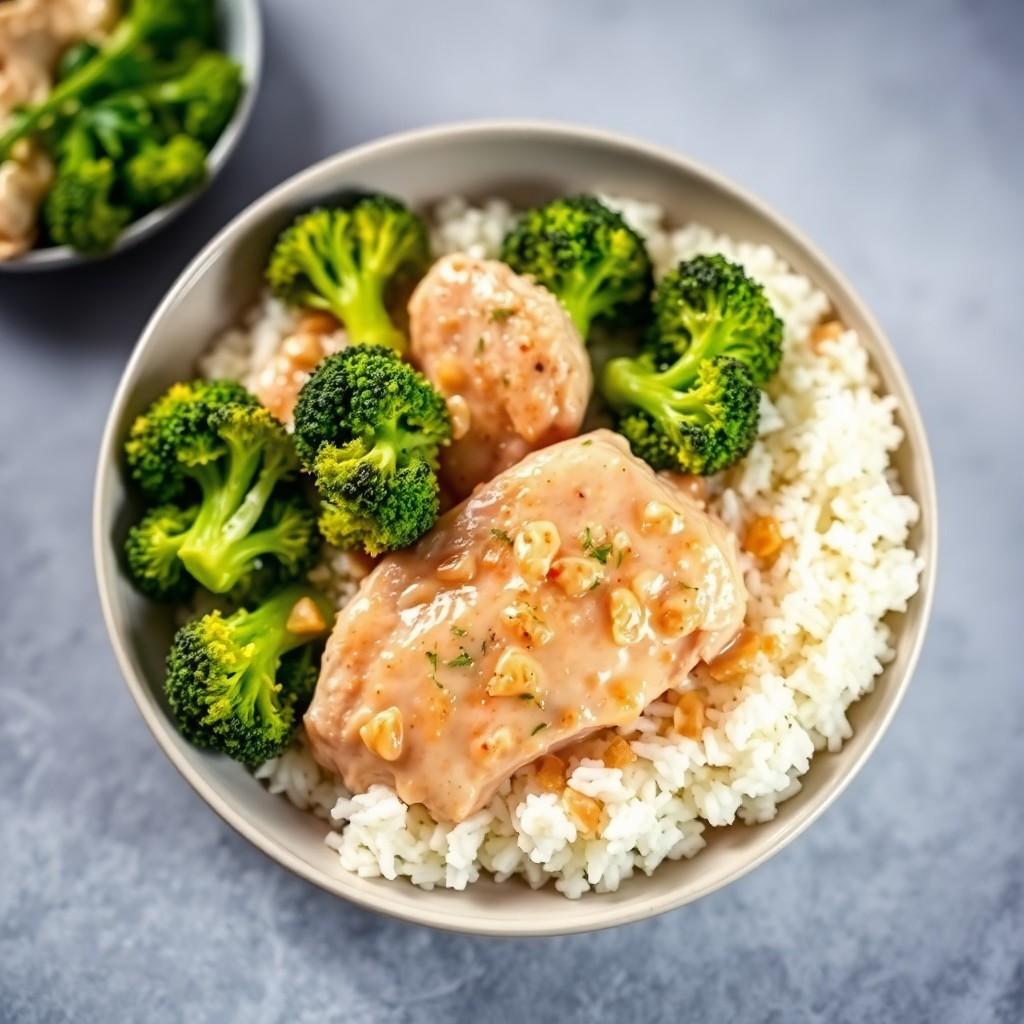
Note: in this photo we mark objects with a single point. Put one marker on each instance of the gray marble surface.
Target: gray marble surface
(892, 134)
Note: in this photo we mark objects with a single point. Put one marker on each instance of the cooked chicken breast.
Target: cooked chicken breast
(505, 354)
(562, 597)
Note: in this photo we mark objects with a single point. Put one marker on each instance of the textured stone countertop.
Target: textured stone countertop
(892, 134)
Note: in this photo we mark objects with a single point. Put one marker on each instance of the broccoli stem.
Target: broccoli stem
(359, 304)
(581, 296)
(366, 318)
(267, 623)
(709, 335)
(629, 383)
(221, 544)
(265, 634)
(398, 442)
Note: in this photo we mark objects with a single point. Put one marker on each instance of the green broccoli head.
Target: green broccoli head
(709, 307)
(166, 23)
(115, 127)
(151, 553)
(700, 423)
(161, 173)
(202, 100)
(80, 212)
(588, 256)
(229, 683)
(298, 673)
(370, 501)
(211, 442)
(346, 260)
(178, 422)
(366, 392)
(369, 427)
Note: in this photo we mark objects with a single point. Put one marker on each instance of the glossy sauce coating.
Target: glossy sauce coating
(505, 354)
(315, 337)
(481, 649)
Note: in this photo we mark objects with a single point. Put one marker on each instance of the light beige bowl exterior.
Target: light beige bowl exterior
(242, 30)
(523, 161)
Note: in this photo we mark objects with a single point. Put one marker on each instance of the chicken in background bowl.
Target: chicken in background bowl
(109, 112)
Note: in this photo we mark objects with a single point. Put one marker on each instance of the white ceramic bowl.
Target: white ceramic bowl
(525, 162)
(242, 29)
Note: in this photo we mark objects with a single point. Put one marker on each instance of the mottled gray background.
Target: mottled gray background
(892, 133)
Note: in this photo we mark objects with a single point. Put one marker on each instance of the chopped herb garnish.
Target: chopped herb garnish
(533, 615)
(458, 631)
(594, 585)
(483, 646)
(598, 551)
(461, 660)
(481, 343)
(539, 728)
(619, 555)
(432, 658)
(585, 443)
(526, 696)
(502, 536)
(501, 313)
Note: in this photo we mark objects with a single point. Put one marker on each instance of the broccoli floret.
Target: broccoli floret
(84, 209)
(200, 102)
(80, 211)
(345, 260)
(115, 127)
(695, 422)
(134, 53)
(151, 553)
(231, 685)
(169, 22)
(709, 307)
(162, 172)
(178, 420)
(214, 439)
(369, 427)
(370, 502)
(588, 256)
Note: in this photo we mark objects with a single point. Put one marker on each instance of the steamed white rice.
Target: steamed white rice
(822, 468)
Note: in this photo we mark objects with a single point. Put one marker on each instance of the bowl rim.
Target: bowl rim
(603, 915)
(60, 257)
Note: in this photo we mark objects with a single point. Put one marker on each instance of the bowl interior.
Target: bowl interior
(524, 163)
(242, 38)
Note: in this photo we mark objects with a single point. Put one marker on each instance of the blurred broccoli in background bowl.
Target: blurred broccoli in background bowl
(145, 105)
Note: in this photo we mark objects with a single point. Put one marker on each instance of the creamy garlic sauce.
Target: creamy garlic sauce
(595, 586)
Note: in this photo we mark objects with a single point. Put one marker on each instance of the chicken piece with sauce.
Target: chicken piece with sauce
(278, 383)
(505, 354)
(561, 598)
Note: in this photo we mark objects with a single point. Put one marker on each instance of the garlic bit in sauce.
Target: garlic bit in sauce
(383, 734)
